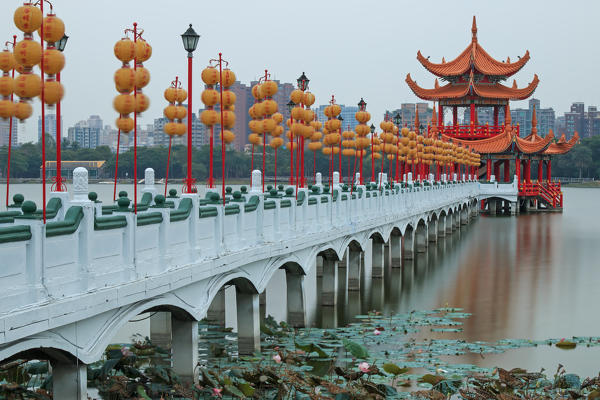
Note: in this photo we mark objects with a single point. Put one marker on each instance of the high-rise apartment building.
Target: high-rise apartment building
(349, 121)
(50, 126)
(408, 112)
(5, 131)
(84, 135)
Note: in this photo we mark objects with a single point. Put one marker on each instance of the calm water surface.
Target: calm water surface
(535, 277)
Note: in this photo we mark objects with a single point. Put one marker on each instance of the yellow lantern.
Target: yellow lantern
(278, 117)
(228, 118)
(210, 76)
(229, 98)
(22, 110)
(309, 115)
(143, 51)
(142, 77)
(53, 92)
(227, 137)
(28, 53)
(210, 97)
(7, 61)
(209, 117)
(171, 94)
(276, 142)
(297, 96)
(268, 89)
(54, 29)
(53, 61)
(254, 139)
(142, 103)
(28, 86)
(308, 99)
(7, 85)
(124, 80)
(7, 109)
(180, 129)
(181, 95)
(170, 113)
(297, 113)
(28, 18)
(125, 50)
(269, 107)
(228, 78)
(125, 124)
(180, 112)
(278, 131)
(124, 104)
(170, 128)
(314, 146)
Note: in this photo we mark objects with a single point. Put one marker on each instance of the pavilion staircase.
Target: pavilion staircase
(549, 193)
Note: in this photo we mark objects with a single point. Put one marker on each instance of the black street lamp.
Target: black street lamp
(60, 46)
(62, 43)
(190, 41)
(372, 129)
(303, 82)
(397, 119)
(362, 105)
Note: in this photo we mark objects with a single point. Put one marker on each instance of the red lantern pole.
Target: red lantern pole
(264, 135)
(275, 167)
(168, 162)
(135, 128)
(117, 163)
(222, 136)
(59, 185)
(372, 160)
(211, 148)
(14, 43)
(361, 165)
(291, 139)
(43, 137)
(251, 164)
(340, 157)
(189, 180)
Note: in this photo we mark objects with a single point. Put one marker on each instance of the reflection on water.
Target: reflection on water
(534, 277)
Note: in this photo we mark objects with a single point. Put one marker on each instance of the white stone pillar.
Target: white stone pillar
(441, 225)
(86, 226)
(248, 320)
(408, 245)
(432, 230)
(378, 256)
(160, 328)
(396, 250)
(216, 312)
(184, 348)
(353, 269)
(149, 186)
(421, 239)
(296, 312)
(69, 381)
(329, 282)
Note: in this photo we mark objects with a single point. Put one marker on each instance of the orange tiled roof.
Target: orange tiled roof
(562, 146)
(495, 144)
(474, 55)
(494, 91)
(534, 143)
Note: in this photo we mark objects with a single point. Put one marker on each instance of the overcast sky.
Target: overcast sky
(346, 47)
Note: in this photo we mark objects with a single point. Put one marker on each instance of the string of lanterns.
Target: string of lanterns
(362, 116)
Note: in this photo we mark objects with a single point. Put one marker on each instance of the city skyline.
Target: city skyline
(91, 61)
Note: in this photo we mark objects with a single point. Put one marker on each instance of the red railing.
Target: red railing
(550, 192)
(473, 131)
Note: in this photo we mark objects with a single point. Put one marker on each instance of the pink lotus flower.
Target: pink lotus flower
(217, 392)
(125, 351)
(277, 358)
(363, 366)
(376, 332)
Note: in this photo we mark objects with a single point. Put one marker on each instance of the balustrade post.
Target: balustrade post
(257, 190)
(149, 186)
(86, 226)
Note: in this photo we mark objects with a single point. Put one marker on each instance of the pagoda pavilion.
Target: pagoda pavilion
(473, 79)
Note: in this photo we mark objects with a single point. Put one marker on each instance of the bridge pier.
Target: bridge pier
(441, 226)
(449, 222)
(378, 258)
(329, 282)
(432, 231)
(296, 310)
(353, 270)
(464, 217)
(492, 206)
(160, 328)
(248, 322)
(69, 380)
(456, 220)
(184, 348)
(421, 239)
(408, 245)
(216, 311)
(514, 208)
(396, 250)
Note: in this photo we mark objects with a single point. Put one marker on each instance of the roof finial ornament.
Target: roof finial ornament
(417, 123)
(514, 84)
(474, 29)
(443, 60)
(436, 84)
(533, 124)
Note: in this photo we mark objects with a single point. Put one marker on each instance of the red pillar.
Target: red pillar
(518, 170)
(455, 115)
(488, 174)
(540, 171)
(528, 171)
(472, 114)
(549, 170)
(440, 115)
(497, 170)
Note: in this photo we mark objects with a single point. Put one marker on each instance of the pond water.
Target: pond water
(535, 276)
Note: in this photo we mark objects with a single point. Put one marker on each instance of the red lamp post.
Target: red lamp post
(13, 43)
(372, 156)
(190, 42)
(60, 46)
(302, 85)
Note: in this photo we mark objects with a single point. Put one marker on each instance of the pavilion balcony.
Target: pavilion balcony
(472, 131)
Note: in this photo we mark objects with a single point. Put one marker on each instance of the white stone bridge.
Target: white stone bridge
(68, 286)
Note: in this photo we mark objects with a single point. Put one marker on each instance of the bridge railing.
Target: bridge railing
(110, 252)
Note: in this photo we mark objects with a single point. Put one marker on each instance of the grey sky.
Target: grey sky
(348, 48)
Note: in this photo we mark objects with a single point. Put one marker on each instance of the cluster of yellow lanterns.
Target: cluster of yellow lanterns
(266, 120)
(128, 80)
(332, 128)
(362, 129)
(301, 118)
(390, 139)
(315, 140)
(27, 54)
(211, 97)
(348, 143)
(175, 112)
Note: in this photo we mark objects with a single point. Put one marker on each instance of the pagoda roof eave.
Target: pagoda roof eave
(533, 143)
(563, 146)
(492, 145)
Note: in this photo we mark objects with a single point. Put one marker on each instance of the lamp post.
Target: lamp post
(190, 41)
(290, 104)
(398, 122)
(10, 125)
(302, 85)
(60, 46)
(372, 156)
(340, 153)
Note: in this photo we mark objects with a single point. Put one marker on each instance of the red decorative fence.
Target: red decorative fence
(473, 131)
(550, 192)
